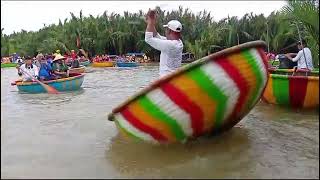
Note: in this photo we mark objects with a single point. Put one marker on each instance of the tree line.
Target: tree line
(120, 34)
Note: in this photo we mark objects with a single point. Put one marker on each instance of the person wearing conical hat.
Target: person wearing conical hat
(57, 53)
(59, 68)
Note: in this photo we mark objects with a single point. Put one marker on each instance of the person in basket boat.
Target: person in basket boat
(45, 72)
(75, 63)
(38, 59)
(49, 59)
(59, 68)
(303, 57)
(28, 70)
(73, 55)
(57, 53)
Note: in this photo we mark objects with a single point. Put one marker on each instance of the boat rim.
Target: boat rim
(197, 63)
(80, 67)
(20, 83)
(285, 76)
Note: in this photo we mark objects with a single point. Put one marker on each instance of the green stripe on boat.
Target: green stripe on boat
(281, 89)
(129, 133)
(257, 72)
(153, 110)
(206, 84)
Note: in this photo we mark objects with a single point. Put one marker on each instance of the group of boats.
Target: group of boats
(114, 63)
(72, 83)
(207, 96)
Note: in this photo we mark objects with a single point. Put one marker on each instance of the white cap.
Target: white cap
(174, 25)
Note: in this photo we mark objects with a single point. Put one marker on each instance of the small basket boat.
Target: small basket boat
(65, 84)
(78, 70)
(210, 95)
(103, 64)
(127, 64)
(85, 63)
(6, 65)
(297, 90)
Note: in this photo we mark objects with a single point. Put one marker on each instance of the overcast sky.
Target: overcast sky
(31, 15)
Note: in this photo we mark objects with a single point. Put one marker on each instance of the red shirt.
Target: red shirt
(73, 55)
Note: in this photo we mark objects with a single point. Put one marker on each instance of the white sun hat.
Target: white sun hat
(174, 25)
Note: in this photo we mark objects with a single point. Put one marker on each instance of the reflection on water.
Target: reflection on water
(206, 157)
(68, 136)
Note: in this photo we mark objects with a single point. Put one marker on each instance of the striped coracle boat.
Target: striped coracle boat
(210, 95)
(292, 89)
(65, 84)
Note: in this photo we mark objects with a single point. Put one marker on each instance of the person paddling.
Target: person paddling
(28, 70)
(304, 56)
(171, 46)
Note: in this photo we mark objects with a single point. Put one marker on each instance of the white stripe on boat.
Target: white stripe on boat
(127, 125)
(162, 101)
(262, 70)
(223, 81)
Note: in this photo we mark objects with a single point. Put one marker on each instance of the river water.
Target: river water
(68, 136)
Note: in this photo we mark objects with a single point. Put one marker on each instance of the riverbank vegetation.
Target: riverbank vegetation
(119, 34)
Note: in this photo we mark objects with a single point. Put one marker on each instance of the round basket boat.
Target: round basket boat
(127, 64)
(208, 96)
(64, 84)
(85, 63)
(7, 65)
(298, 89)
(79, 70)
(103, 64)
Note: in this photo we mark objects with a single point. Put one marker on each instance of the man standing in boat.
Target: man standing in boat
(303, 57)
(171, 46)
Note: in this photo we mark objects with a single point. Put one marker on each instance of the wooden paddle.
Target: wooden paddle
(48, 88)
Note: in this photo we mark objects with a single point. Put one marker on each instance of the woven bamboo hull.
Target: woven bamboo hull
(210, 95)
(103, 64)
(78, 70)
(298, 91)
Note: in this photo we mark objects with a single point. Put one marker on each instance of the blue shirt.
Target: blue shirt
(45, 70)
(49, 61)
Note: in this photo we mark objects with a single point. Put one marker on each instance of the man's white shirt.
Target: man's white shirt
(171, 52)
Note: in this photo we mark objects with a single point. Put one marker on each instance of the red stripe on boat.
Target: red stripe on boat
(182, 100)
(139, 125)
(297, 91)
(241, 83)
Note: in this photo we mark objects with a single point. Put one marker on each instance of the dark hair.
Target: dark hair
(303, 42)
(28, 58)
